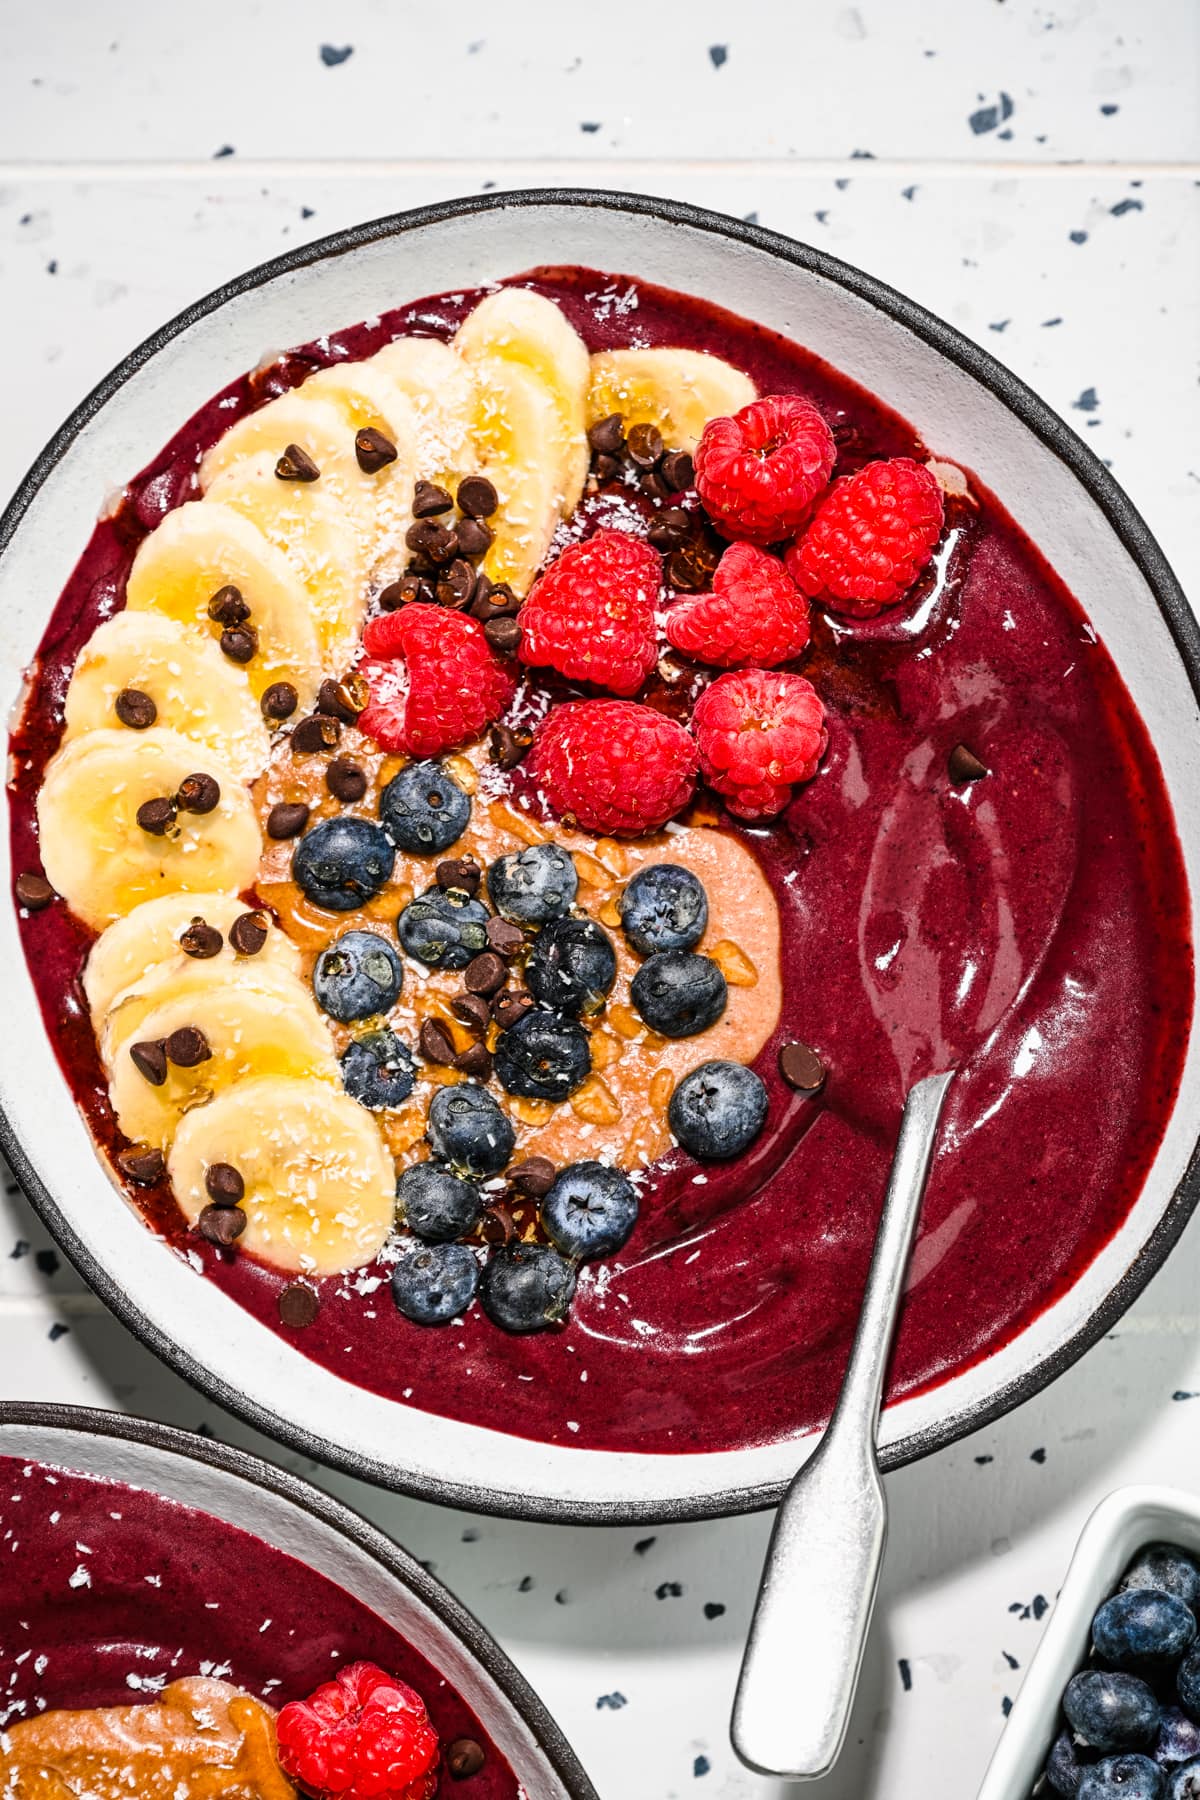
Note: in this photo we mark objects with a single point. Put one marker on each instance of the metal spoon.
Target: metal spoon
(817, 1594)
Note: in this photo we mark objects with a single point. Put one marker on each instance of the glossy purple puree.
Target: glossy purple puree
(113, 1591)
(1031, 928)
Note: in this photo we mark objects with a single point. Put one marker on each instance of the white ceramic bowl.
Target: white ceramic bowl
(967, 408)
(293, 1517)
(1116, 1531)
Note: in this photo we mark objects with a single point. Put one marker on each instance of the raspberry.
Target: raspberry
(759, 731)
(616, 766)
(755, 614)
(870, 538)
(759, 472)
(364, 1736)
(591, 615)
(435, 682)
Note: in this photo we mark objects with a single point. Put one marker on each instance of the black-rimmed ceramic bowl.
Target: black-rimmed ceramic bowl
(320, 1588)
(964, 405)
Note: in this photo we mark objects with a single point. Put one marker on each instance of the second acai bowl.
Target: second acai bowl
(510, 798)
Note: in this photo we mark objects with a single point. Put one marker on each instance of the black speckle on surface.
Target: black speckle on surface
(57, 1331)
(1006, 1706)
(470, 1535)
(1041, 1606)
(25, 219)
(669, 1590)
(488, 184)
(1010, 1660)
(713, 1609)
(750, 218)
(644, 1544)
(821, 217)
(1000, 325)
(1088, 401)
(225, 150)
(909, 193)
(476, 47)
(333, 54)
(841, 183)
(21, 1248)
(992, 115)
(1005, 136)
(47, 1262)
(718, 55)
(1039, 1455)
(1109, 108)
(862, 156)
(525, 1585)
(308, 212)
(590, 126)
(52, 266)
(611, 1702)
(1037, 1608)
(905, 1668)
(701, 1766)
(1047, 323)
(981, 1460)
(204, 1430)
(1078, 237)
(1179, 1394)
(1127, 206)
(562, 1598)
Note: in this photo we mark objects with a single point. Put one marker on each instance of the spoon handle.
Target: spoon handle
(818, 1587)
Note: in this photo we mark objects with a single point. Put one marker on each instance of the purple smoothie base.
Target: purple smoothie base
(1032, 929)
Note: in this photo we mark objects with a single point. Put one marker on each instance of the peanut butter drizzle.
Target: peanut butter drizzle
(200, 1740)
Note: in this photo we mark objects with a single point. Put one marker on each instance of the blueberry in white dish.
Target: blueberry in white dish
(1131, 1777)
(533, 885)
(344, 862)
(443, 928)
(468, 1130)
(1064, 1769)
(434, 1283)
(1168, 1568)
(1110, 1711)
(664, 907)
(1183, 1783)
(679, 993)
(718, 1110)
(436, 1204)
(527, 1287)
(543, 1056)
(357, 976)
(1188, 1683)
(1143, 1628)
(572, 966)
(423, 810)
(378, 1070)
(1178, 1739)
(590, 1210)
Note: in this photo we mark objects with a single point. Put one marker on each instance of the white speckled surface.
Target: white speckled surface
(1064, 234)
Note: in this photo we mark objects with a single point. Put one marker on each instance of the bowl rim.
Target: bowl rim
(1131, 531)
(215, 1453)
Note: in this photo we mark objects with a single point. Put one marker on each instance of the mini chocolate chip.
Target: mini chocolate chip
(141, 1164)
(149, 1058)
(135, 709)
(330, 704)
(221, 1225)
(432, 541)
(535, 1176)
(464, 1757)
(494, 601)
(279, 701)
(287, 819)
(485, 974)
(224, 1184)
(477, 498)
(606, 468)
(188, 1047)
(472, 1010)
(399, 593)
(248, 933)
(459, 872)
(684, 573)
(373, 450)
(201, 940)
(198, 794)
(476, 1061)
(435, 1043)
(474, 537)
(33, 892)
(227, 606)
(345, 780)
(653, 485)
(502, 634)
(802, 1068)
(498, 1226)
(508, 747)
(678, 471)
(297, 465)
(240, 643)
(965, 766)
(317, 733)
(510, 1005)
(505, 938)
(429, 500)
(156, 816)
(607, 436)
(671, 528)
(298, 1304)
(644, 446)
(456, 587)
(354, 694)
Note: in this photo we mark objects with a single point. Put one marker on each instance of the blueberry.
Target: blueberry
(590, 1210)
(357, 976)
(1165, 1567)
(1064, 1771)
(343, 862)
(1183, 1783)
(423, 810)
(443, 927)
(664, 907)
(1122, 1778)
(1178, 1739)
(526, 1287)
(467, 1129)
(679, 993)
(1188, 1683)
(437, 1204)
(543, 1057)
(572, 966)
(378, 1070)
(533, 885)
(1111, 1712)
(1142, 1625)
(718, 1109)
(434, 1283)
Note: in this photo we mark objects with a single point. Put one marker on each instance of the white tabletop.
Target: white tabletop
(1032, 173)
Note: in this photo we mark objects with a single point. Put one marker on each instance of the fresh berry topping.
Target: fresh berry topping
(443, 928)
(357, 976)
(363, 1736)
(436, 1204)
(591, 615)
(542, 1057)
(679, 993)
(718, 1109)
(378, 1070)
(755, 614)
(530, 886)
(342, 863)
(572, 966)
(614, 766)
(590, 1210)
(759, 472)
(434, 1283)
(870, 538)
(759, 732)
(467, 1129)
(664, 907)
(527, 1287)
(423, 810)
(435, 683)
(1111, 1711)
(1142, 1629)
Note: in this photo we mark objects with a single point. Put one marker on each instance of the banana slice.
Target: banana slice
(318, 538)
(249, 1031)
(368, 397)
(441, 389)
(180, 978)
(201, 547)
(518, 438)
(148, 937)
(320, 1186)
(677, 390)
(196, 691)
(97, 855)
(303, 418)
(523, 327)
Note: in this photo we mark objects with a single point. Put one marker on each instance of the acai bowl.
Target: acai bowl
(966, 844)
